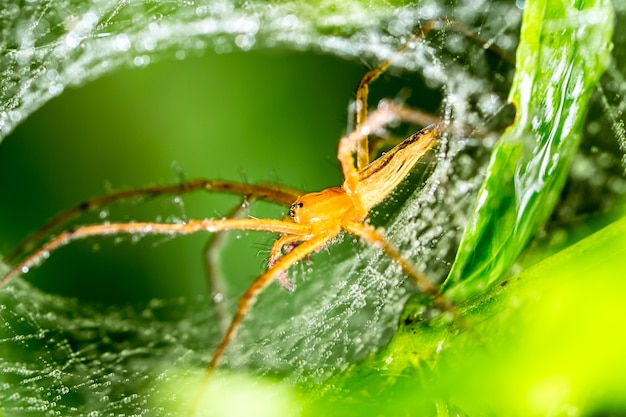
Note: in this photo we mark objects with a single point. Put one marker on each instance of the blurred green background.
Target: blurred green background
(257, 117)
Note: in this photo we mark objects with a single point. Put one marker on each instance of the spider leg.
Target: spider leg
(280, 195)
(418, 117)
(246, 301)
(362, 91)
(215, 280)
(424, 119)
(146, 228)
(349, 144)
(315, 243)
(374, 238)
(277, 251)
(363, 151)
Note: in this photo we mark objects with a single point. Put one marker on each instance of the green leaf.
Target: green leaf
(564, 49)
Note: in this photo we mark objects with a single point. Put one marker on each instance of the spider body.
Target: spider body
(337, 208)
(326, 213)
(375, 182)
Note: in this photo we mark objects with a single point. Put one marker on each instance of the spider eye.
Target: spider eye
(294, 209)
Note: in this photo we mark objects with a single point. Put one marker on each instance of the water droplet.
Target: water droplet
(72, 40)
(25, 269)
(245, 41)
(121, 43)
(52, 74)
(148, 44)
(396, 27)
(141, 60)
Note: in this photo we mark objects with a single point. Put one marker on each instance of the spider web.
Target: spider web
(61, 356)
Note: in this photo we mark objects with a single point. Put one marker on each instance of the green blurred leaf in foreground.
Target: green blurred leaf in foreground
(564, 49)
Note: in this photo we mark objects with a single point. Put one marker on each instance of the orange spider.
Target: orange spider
(314, 220)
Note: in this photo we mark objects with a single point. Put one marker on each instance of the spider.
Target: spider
(315, 219)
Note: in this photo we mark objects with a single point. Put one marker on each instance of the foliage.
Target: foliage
(563, 52)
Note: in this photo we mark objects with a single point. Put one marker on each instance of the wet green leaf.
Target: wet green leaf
(564, 49)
